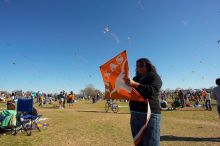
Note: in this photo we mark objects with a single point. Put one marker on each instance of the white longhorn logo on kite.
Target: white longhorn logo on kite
(120, 83)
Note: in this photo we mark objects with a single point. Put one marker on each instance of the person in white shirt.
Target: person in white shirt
(208, 101)
(163, 104)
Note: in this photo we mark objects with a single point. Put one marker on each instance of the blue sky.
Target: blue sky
(51, 45)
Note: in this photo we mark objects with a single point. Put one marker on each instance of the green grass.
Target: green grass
(87, 124)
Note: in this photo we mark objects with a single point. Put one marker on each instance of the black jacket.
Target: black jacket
(149, 88)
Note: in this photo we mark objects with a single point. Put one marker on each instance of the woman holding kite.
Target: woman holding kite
(148, 83)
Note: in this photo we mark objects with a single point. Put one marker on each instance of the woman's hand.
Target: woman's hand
(131, 83)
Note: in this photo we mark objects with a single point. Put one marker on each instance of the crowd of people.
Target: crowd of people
(187, 98)
(63, 98)
(42, 98)
(178, 98)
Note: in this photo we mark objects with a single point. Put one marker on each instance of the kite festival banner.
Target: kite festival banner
(114, 73)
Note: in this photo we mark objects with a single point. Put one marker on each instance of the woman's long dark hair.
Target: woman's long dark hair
(147, 64)
(218, 81)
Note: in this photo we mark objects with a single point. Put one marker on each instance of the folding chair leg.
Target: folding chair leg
(29, 132)
(14, 130)
(31, 127)
(35, 123)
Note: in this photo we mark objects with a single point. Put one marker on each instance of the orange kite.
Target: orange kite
(114, 73)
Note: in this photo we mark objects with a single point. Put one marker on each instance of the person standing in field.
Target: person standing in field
(70, 99)
(13, 96)
(181, 98)
(61, 100)
(38, 97)
(41, 99)
(65, 99)
(216, 95)
(93, 99)
(203, 94)
(208, 101)
(148, 83)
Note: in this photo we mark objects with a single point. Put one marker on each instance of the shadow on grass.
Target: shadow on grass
(101, 112)
(50, 107)
(193, 139)
(200, 110)
(191, 110)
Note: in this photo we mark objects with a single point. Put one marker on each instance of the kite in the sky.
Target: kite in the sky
(106, 29)
(129, 40)
(218, 41)
(13, 63)
(110, 34)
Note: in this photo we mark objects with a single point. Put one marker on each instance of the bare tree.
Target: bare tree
(91, 91)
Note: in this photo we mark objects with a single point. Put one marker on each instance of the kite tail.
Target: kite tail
(115, 37)
(139, 135)
(113, 92)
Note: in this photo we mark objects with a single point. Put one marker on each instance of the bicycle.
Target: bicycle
(110, 104)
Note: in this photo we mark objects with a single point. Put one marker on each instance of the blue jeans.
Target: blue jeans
(208, 105)
(151, 136)
(182, 103)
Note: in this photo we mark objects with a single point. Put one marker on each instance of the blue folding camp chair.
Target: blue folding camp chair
(25, 116)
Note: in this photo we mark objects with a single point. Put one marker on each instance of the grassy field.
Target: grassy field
(87, 124)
